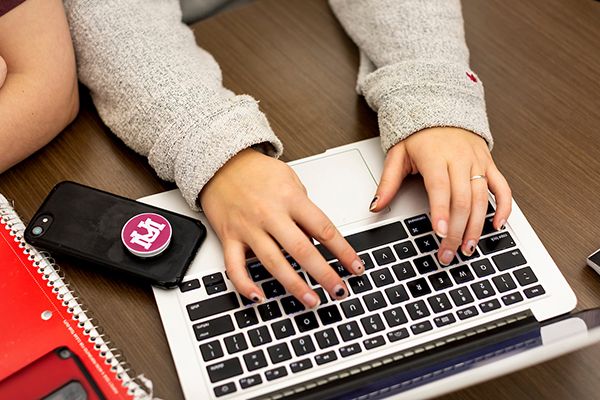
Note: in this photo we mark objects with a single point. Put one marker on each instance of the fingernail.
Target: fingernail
(442, 228)
(502, 225)
(357, 266)
(447, 257)
(311, 300)
(470, 246)
(339, 291)
(257, 298)
(373, 203)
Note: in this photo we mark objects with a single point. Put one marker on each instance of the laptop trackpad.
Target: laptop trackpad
(340, 184)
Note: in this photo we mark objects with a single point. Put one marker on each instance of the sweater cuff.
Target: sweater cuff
(202, 154)
(413, 96)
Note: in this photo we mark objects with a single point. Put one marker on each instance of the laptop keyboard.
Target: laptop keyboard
(404, 292)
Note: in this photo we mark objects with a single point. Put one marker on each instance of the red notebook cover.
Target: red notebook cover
(46, 338)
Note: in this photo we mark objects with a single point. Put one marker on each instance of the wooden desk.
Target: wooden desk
(539, 61)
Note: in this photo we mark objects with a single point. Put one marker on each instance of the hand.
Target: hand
(447, 158)
(3, 71)
(256, 202)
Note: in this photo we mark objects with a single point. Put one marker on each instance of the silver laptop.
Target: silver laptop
(410, 328)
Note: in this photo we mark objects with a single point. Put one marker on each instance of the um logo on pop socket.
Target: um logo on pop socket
(147, 234)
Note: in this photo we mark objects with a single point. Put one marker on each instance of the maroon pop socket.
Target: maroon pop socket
(147, 235)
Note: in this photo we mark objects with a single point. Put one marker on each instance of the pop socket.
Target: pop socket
(147, 234)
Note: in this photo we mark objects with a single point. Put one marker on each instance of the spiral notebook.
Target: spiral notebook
(49, 346)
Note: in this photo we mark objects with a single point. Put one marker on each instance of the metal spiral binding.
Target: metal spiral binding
(139, 387)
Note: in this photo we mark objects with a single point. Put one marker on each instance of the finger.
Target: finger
(437, 183)
(270, 255)
(306, 254)
(499, 186)
(312, 220)
(235, 262)
(460, 209)
(395, 170)
(479, 199)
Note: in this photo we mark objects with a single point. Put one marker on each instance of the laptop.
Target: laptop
(410, 328)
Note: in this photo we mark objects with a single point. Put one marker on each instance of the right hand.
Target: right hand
(3, 71)
(257, 202)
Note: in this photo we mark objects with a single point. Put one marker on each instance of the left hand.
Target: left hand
(447, 158)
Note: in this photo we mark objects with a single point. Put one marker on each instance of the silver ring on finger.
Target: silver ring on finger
(475, 177)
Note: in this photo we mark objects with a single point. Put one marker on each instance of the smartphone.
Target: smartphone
(117, 233)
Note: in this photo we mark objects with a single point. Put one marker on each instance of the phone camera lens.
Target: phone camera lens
(37, 230)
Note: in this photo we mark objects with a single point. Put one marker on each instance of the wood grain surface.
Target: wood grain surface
(539, 60)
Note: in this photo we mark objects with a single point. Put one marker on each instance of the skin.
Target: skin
(2, 71)
(255, 202)
(38, 97)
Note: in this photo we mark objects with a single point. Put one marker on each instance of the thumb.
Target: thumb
(395, 169)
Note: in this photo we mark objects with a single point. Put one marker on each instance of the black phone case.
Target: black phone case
(86, 223)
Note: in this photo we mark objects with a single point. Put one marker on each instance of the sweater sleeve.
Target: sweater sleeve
(414, 68)
(162, 94)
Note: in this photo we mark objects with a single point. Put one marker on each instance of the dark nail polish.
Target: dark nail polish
(471, 249)
(340, 292)
(373, 203)
(255, 299)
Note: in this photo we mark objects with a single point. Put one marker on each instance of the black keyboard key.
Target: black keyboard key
(250, 381)
(211, 350)
(382, 277)
(269, 311)
(246, 317)
(425, 264)
(418, 225)
(303, 345)
(217, 288)
(259, 336)
(313, 281)
(360, 284)
(421, 327)
(258, 272)
(273, 289)
(291, 305)
(301, 365)
(373, 342)
(279, 353)
(404, 271)
(213, 306)
(235, 343)
(508, 260)
(293, 263)
(467, 313)
(227, 388)
(283, 328)
(366, 260)
(255, 360)
(396, 335)
(483, 289)
(512, 298)
(525, 276)
(276, 373)
(329, 314)
(497, 242)
(321, 293)
(417, 310)
(395, 317)
(213, 327)
(488, 226)
(374, 301)
(444, 320)
(245, 301)
(504, 283)
(473, 256)
(490, 209)
(349, 331)
(372, 238)
(350, 350)
(534, 291)
(384, 256)
(418, 287)
(439, 303)
(489, 305)
(213, 279)
(306, 321)
(461, 274)
(189, 285)
(461, 296)
(325, 358)
(372, 324)
(396, 294)
(483, 268)
(405, 250)
(339, 268)
(326, 338)
(224, 370)
(352, 308)
(440, 280)
(426, 243)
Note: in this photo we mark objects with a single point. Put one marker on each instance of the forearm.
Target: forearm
(420, 75)
(159, 92)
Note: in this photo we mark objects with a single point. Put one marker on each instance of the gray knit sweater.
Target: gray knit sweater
(163, 95)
